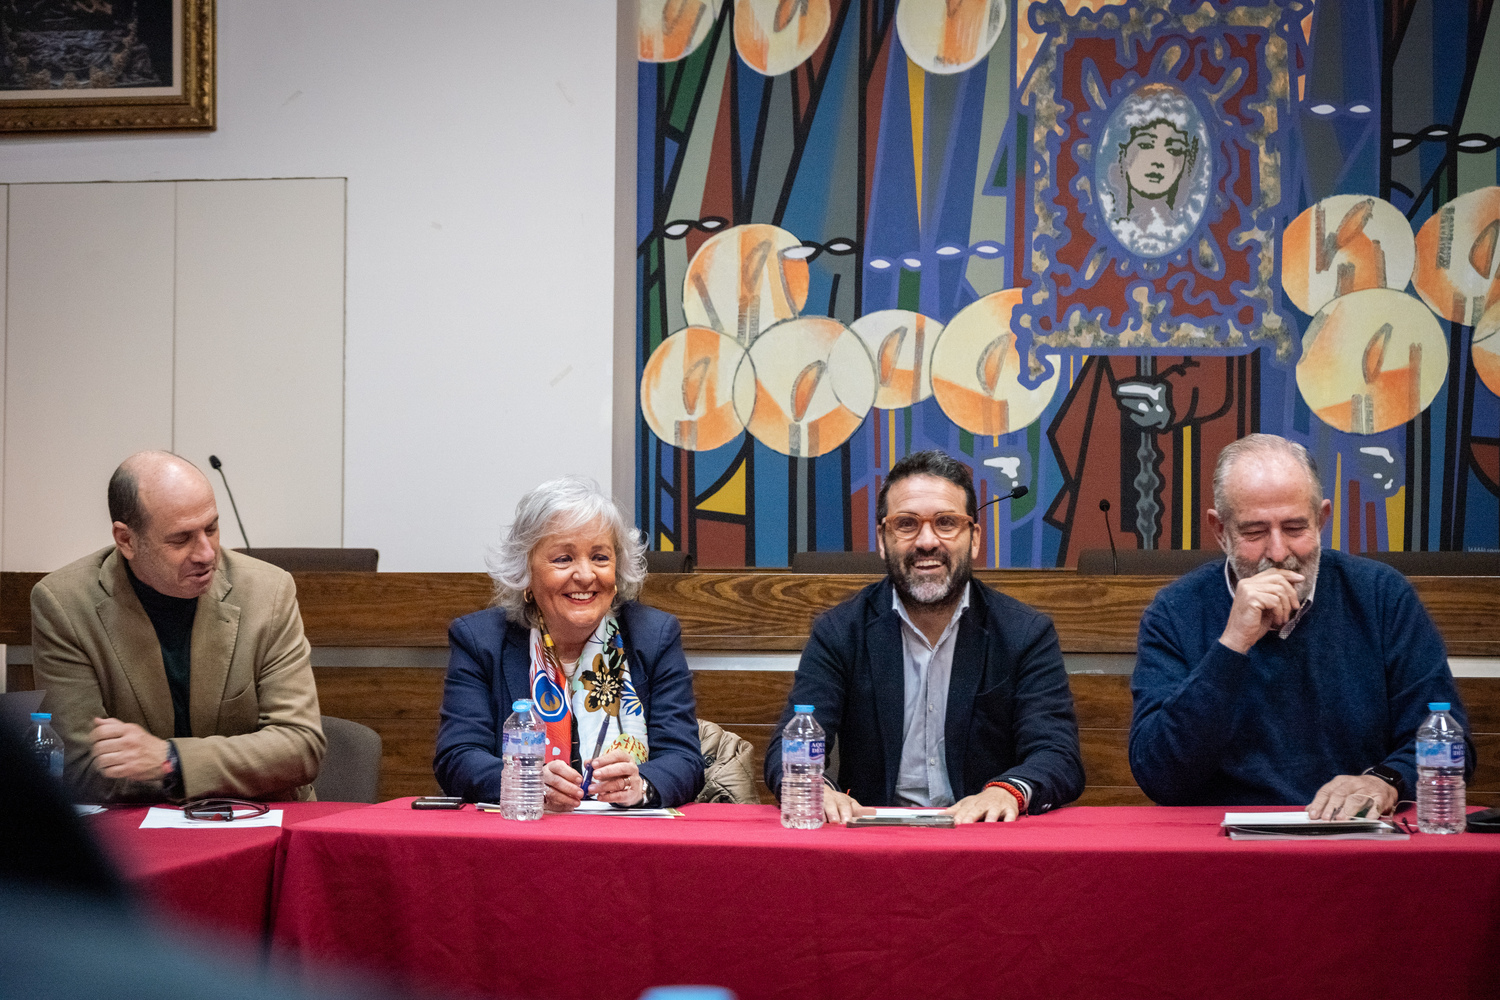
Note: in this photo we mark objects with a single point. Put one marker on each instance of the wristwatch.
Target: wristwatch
(648, 793)
(1389, 775)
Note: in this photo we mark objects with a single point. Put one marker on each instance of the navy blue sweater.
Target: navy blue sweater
(1345, 691)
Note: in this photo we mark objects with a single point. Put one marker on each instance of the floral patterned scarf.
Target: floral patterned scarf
(600, 696)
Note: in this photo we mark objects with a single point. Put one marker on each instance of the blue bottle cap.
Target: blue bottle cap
(41, 716)
(802, 708)
(688, 993)
(1439, 706)
(521, 705)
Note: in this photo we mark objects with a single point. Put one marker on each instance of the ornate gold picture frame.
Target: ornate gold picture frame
(106, 65)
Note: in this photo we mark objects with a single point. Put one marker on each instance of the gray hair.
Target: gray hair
(1255, 445)
(557, 506)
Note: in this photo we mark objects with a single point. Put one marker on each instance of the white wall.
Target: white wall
(478, 138)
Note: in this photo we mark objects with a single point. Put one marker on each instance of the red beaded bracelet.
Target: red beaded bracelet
(1020, 799)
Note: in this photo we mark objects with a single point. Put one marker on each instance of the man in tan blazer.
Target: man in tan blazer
(174, 670)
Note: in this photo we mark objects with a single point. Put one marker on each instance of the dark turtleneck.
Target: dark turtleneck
(172, 617)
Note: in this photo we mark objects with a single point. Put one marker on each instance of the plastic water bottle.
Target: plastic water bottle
(1440, 773)
(523, 749)
(45, 744)
(802, 771)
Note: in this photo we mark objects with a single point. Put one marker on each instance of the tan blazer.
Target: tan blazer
(253, 705)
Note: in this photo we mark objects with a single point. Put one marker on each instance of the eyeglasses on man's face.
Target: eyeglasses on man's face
(946, 526)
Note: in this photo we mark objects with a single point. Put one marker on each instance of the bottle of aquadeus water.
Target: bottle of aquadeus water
(523, 749)
(46, 745)
(1440, 772)
(802, 771)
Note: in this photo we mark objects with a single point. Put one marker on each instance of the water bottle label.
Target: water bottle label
(802, 752)
(1435, 753)
(525, 744)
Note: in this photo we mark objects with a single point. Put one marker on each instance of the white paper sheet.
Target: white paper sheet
(162, 818)
(87, 810)
(1297, 818)
(591, 808)
(883, 812)
(1297, 826)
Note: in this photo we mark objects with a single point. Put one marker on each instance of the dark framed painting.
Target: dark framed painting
(106, 65)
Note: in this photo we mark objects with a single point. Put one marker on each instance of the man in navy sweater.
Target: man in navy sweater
(1285, 675)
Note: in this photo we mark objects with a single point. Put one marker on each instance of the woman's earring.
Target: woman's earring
(527, 596)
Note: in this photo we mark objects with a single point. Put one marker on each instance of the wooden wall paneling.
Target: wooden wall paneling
(260, 352)
(399, 703)
(15, 607)
(88, 372)
(4, 249)
(1101, 701)
(773, 612)
(387, 609)
(1465, 610)
(729, 697)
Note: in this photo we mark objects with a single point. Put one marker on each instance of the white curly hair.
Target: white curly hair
(556, 507)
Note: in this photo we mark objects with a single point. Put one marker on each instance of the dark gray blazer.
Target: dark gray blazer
(1010, 711)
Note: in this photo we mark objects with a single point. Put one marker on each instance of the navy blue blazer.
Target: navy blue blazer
(1010, 711)
(489, 664)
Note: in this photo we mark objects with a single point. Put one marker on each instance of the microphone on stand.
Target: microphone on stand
(213, 460)
(1113, 555)
(1015, 494)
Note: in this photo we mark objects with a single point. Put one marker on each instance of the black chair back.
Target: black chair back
(670, 562)
(1146, 562)
(868, 563)
(301, 560)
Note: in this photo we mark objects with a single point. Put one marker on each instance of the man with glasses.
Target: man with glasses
(937, 690)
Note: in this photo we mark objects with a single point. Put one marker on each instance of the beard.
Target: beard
(928, 591)
(1244, 568)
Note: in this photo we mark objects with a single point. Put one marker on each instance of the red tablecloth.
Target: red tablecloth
(218, 880)
(1085, 902)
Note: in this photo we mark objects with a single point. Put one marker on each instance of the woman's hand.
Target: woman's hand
(616, 779)
(564, 787)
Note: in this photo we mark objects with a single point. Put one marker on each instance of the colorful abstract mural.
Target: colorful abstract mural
(1080, 246)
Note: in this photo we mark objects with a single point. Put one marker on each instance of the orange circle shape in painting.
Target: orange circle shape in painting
(1371, 361)
(1346, 243)
(949, 36)
(776, 36)
(1485, 350)
(900, 344)
(687, 389)
(805, 386)
(669, 30)
(745, 279)
(976, 370)
(1458, 259)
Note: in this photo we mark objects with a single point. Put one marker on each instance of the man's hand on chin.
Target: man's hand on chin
(123, 750)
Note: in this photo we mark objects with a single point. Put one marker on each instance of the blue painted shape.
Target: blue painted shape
(752, 87)
(770, 493)
(828, 486)
(645, 151)
(833, 126)
(892, 231)
(708, 466)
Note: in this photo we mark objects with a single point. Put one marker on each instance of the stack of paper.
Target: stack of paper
(1297, 825)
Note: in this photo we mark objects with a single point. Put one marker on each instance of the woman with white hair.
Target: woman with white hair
(606, 674)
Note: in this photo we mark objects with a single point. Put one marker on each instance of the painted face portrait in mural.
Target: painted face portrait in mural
(1154, 187)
